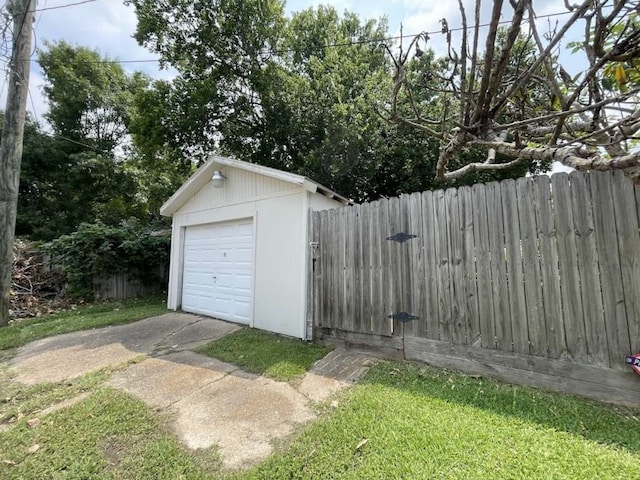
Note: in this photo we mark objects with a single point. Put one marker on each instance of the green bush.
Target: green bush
(98, 249)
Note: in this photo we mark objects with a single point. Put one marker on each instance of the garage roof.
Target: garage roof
(205, 172)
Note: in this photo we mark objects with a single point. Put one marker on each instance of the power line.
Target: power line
(40, 16)
(330, 45)
(67, 5)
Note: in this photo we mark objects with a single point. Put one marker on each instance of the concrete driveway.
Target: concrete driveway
(209, 403)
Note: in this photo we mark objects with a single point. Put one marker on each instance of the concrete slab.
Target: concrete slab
(338, 370)
(241, 415)
(71, 355)
(163, 381)
(209, 402)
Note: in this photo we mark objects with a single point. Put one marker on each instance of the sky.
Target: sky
(109, 25)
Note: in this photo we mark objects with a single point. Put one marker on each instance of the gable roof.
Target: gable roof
(203, 175)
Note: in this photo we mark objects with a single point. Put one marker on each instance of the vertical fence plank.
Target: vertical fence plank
(405, 265)
(531, 268)
(515, 275)
(442, 266)
(612, 291)
(481, 238)
(342, 260)
(416, 265)
(366, 282)
(317, 277)
(472, 322)
(328, 268)
(456, 267)
(430, 328)
(568, 265)
(395, 260)
(312, 268)
(385, 261)
(349, 227)
(358, 274)
(591, 292)
(336, 267)
(378, 315)
(628, 229)
(549, 267)
(499, 288)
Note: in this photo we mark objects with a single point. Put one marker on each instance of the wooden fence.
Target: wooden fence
(121, 286)
(536, 280)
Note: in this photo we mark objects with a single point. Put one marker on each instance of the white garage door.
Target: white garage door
(218, 270)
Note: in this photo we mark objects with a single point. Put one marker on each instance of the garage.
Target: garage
(218, 270)
(239, 244)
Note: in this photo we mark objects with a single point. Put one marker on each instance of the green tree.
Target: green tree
(221, 50)
(62, 186)
(89, 95)
(300, 94)
(74, 175)
(512, 102)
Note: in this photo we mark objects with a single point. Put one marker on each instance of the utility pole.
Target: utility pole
(22, 12)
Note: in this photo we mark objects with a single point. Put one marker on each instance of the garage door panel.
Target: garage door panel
(218, 270)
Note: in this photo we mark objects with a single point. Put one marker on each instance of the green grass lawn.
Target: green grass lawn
(407, 421)
(263, 353)
(404, 421)
(83, 318)
(109, 435)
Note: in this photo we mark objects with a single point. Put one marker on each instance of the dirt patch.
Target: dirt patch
(115, 449)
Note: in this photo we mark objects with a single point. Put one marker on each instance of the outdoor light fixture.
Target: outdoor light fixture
(218, 179)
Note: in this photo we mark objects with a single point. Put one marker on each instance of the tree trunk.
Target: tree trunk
(11, 145)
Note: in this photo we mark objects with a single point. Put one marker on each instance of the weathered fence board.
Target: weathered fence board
(366, 268)
(627, 226)
(430, 313)
(416, 264)
(604, 384)
(549, 268)
(499, 288)
(472, 325)
(456, 267)
(615, 314)
(377, 304)
(481, 237)
(589, 270)
(515, 276)
(568, 266)
(121, 286)
(537, 268)
(351, 293)
(531, 268)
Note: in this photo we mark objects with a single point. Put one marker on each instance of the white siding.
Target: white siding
(241, 186)
(279, 211)
(322, 202)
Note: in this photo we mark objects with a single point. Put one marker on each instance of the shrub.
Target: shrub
(98, 249)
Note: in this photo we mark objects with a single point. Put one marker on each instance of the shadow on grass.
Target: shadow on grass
(591, 420)
(82, 318)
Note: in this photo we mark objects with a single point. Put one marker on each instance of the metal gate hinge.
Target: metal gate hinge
(403, 317)
(401, 237)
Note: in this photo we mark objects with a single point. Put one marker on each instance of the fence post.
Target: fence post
(313, 268)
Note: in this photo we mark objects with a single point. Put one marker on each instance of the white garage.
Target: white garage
(217, 277)
(239, 244)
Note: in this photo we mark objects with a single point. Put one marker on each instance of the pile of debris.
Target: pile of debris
(36, 286)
